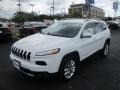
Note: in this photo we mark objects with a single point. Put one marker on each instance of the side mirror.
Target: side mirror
(86, 35)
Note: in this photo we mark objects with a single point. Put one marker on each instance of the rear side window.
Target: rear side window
(99, 27)
(89, 28)
(104, 27)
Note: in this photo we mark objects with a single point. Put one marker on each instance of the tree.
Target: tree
(20, 17)
(76, 15)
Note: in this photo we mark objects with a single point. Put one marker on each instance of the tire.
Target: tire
(105, 51)
(68, 68)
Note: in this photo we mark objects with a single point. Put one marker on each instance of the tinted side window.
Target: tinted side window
(99, 27)
(103, 26)
(89, 28)
(0, 25)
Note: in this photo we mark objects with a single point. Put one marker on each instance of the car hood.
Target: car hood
(41, 42)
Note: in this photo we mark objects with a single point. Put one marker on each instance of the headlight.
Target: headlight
(49, 52)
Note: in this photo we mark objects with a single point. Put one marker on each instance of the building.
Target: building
(86, 11)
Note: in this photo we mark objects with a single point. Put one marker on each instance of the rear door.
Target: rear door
(99, 35)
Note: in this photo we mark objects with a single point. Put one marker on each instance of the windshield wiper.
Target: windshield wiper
(52, 34)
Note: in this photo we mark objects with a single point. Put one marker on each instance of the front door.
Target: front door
(87, 45)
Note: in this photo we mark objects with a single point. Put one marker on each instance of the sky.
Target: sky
(9, 7)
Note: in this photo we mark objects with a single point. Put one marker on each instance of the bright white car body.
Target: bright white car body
(41, 44)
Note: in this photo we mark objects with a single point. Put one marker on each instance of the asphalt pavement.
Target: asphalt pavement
(95, 73)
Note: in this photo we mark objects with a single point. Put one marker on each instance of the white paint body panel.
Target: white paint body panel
(39, 42)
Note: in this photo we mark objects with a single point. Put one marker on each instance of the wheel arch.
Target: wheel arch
(74, 53)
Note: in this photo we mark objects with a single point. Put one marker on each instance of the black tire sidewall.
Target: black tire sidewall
(103, 50)
(62, 66)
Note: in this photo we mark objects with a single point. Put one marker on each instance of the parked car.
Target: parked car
(30, 28)
(48, 23)
(113, 25)
(5, 32)
(60, 48)
(118, 22)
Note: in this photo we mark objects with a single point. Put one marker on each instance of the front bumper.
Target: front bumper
(31, 69)
(33, 73)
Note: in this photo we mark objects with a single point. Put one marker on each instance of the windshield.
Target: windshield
(63, 29)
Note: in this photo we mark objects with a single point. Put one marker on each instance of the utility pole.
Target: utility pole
(88, 5)
(50, 11)
(32, 5)
(19, 5)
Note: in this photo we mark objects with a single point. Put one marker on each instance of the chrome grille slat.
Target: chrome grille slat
(24, 55)
(28, 56)
(21, 53)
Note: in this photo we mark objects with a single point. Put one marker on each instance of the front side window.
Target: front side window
(63, 29)
(89, 28)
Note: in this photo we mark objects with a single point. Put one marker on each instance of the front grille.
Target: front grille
(21, 53)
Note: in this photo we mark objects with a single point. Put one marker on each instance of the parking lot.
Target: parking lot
(95, 73)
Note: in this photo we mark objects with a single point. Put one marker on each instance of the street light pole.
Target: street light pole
(32, 5)
(19, 5)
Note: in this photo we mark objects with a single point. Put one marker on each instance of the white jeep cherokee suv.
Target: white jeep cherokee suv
(60, 47)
